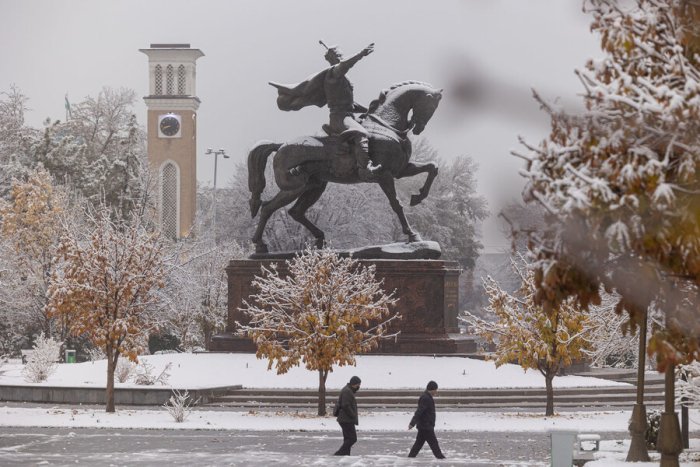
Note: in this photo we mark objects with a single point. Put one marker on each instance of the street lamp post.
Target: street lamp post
(216, 153)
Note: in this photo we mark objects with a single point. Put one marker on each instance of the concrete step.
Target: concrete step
(414, 393)
(583, 397)
(406, 400)
(486, 405)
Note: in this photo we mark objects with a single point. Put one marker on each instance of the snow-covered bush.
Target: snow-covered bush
(96, 353)
(42, 361)
(146, 377)
(124, 370)
(688, 385)
(179, 405)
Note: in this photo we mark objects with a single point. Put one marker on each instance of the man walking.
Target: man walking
(424, 419)
(347, 415)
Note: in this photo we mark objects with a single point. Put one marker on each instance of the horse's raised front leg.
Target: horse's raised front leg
(298, 211)
(386, 182)
(281, 199)
(412, 169)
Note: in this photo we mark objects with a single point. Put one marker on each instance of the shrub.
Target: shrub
(145, 376)
(179, 405)
(95, 353)
(157, 342)
(42, 362)
(652, 433)
(124, 370)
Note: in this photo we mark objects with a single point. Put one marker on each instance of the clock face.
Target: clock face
(169, 125)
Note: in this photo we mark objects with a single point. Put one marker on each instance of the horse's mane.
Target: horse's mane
(374, 105)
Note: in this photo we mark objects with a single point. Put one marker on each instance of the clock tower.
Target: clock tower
(172, 133)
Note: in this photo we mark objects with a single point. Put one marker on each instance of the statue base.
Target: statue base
(428, 303)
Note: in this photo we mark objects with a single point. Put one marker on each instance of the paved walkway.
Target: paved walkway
(97, 447)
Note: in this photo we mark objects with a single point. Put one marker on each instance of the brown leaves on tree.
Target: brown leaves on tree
(621, 180)
(325, 311)
(105, 287)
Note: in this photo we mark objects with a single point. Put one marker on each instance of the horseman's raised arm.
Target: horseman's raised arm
(345, 65)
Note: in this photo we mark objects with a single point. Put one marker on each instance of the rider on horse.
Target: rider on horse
(332, 87)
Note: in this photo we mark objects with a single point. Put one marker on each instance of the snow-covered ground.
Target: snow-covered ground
(377, 372)
(194, 371)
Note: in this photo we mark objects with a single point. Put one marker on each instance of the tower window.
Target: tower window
(181, 80)
(159, 80)
(169, 199)
(169, 78)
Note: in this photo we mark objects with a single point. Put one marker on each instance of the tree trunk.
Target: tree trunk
(638, 423)
(669, 443)
(548, 377)
(207, 331)
(111, 366)
(322, 376)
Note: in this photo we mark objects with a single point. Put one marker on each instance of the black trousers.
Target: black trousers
(349, 438)
(429, 436)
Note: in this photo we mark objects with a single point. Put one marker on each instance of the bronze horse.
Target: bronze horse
(303, 167)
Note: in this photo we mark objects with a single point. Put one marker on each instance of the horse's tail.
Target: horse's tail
(257, 160)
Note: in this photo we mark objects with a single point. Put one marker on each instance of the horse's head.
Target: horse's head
(423, 109)
(409, 98)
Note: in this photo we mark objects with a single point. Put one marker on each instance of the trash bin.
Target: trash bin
(562, 447)
(70, 356)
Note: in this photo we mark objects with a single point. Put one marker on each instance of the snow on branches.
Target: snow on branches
(620, 182)
(42, 360)
(524, 333)
(106, 287)
(32, 223)
(323, 312)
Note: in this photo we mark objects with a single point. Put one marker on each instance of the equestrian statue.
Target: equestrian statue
(362, 145)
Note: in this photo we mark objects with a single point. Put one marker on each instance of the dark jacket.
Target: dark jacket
(348, 406)
(424, 417)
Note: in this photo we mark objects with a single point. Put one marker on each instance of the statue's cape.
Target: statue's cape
(297, 96)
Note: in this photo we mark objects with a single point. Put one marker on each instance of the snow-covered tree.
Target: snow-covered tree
(196, 291)
(523, 333)
(99, 152)
(31, 223)
(16, 137)
(106, 287)
(323, 313)
(688, 389)
(620, 182)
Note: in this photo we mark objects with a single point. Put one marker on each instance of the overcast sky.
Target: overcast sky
(500, 48)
